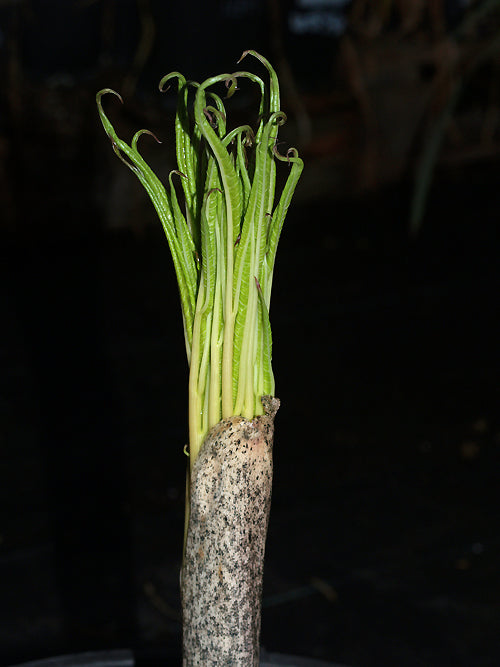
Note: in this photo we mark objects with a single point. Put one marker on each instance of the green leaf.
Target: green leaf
(223, 238)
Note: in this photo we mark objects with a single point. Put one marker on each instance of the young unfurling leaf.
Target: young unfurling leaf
(223, 237)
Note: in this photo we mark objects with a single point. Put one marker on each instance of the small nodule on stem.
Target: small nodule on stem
(271, 405)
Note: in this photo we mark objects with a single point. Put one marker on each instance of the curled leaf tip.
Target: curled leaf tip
(214, 115)
(168, 77)
(151, 134)
(211, 191)
(292, 155)
(104, 91)
(249, 137)
(279, 117)
(209, 117)
(179, 173)
(139, 133)
(232, 86)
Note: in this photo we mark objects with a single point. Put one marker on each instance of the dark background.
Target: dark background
(384, 542)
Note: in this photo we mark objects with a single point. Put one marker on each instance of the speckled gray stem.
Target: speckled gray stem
(224, 560)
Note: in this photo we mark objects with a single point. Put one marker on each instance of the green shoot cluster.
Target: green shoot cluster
(223, 237)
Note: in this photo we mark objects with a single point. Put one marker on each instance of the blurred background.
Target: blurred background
(384, 541)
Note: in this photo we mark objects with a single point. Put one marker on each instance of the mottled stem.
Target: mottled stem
(224, 560)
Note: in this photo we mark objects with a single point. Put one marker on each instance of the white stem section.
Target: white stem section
(224, 559)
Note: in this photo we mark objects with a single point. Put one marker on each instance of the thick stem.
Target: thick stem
(223, 564)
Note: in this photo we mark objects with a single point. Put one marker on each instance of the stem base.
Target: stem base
(223, 566)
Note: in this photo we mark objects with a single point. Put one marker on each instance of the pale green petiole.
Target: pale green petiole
(223, 238)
